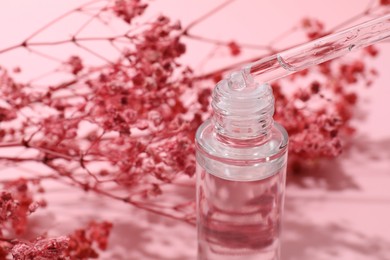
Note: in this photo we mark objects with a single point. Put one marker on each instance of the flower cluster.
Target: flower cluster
(42, 248)
(16, 204)
(313, 28)
(82, 244)
(128, 9)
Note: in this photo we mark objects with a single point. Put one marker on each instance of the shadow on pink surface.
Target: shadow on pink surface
(342, 211)
(377, 150)
(331, 241)
(338, 174)
(324, 174)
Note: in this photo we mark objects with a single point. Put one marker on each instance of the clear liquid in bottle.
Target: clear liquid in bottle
(241, 171)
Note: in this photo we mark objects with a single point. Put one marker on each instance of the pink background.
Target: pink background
(345, 216)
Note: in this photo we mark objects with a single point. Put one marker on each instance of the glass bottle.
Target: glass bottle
(241, 171)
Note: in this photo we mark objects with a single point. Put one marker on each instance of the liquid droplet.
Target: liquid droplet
(237, 81)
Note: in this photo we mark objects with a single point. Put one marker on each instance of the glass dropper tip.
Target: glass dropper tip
(320, 50)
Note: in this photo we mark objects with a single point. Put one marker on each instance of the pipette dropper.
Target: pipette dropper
(320, 50)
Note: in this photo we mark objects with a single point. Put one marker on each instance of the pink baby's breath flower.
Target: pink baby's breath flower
(128, 9)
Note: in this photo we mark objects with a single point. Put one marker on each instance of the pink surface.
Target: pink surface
(343, 216)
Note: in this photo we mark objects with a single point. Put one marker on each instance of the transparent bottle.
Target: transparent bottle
(241, 172)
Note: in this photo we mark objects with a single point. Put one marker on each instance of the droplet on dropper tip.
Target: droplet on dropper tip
(236, 81)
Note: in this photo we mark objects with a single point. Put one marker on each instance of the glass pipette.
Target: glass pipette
(319, 50)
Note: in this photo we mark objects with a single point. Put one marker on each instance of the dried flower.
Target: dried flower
(128, 9)
(42, 249)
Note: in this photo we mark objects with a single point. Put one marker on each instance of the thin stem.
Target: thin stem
(347, 22)
(141, 205)
(370, 5)
(94, 53)
(42, 76)
(282, 35)
(44, 55)
(94, 143)
(66, 174)
(74, 40)
(11, 144)
(16, 46)
(229, 67)
(206, 15)
(59, 18)
(19, 159)
(93, 17)
(38, 176)
(82, 164)
(42, 149)
(219, 42)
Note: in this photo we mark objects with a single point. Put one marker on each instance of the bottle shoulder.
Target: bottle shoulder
(210, 145)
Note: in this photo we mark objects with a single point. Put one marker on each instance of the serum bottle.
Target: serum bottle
(241, 171)
(242, 153)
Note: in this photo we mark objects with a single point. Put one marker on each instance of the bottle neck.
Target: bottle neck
(243, 110)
